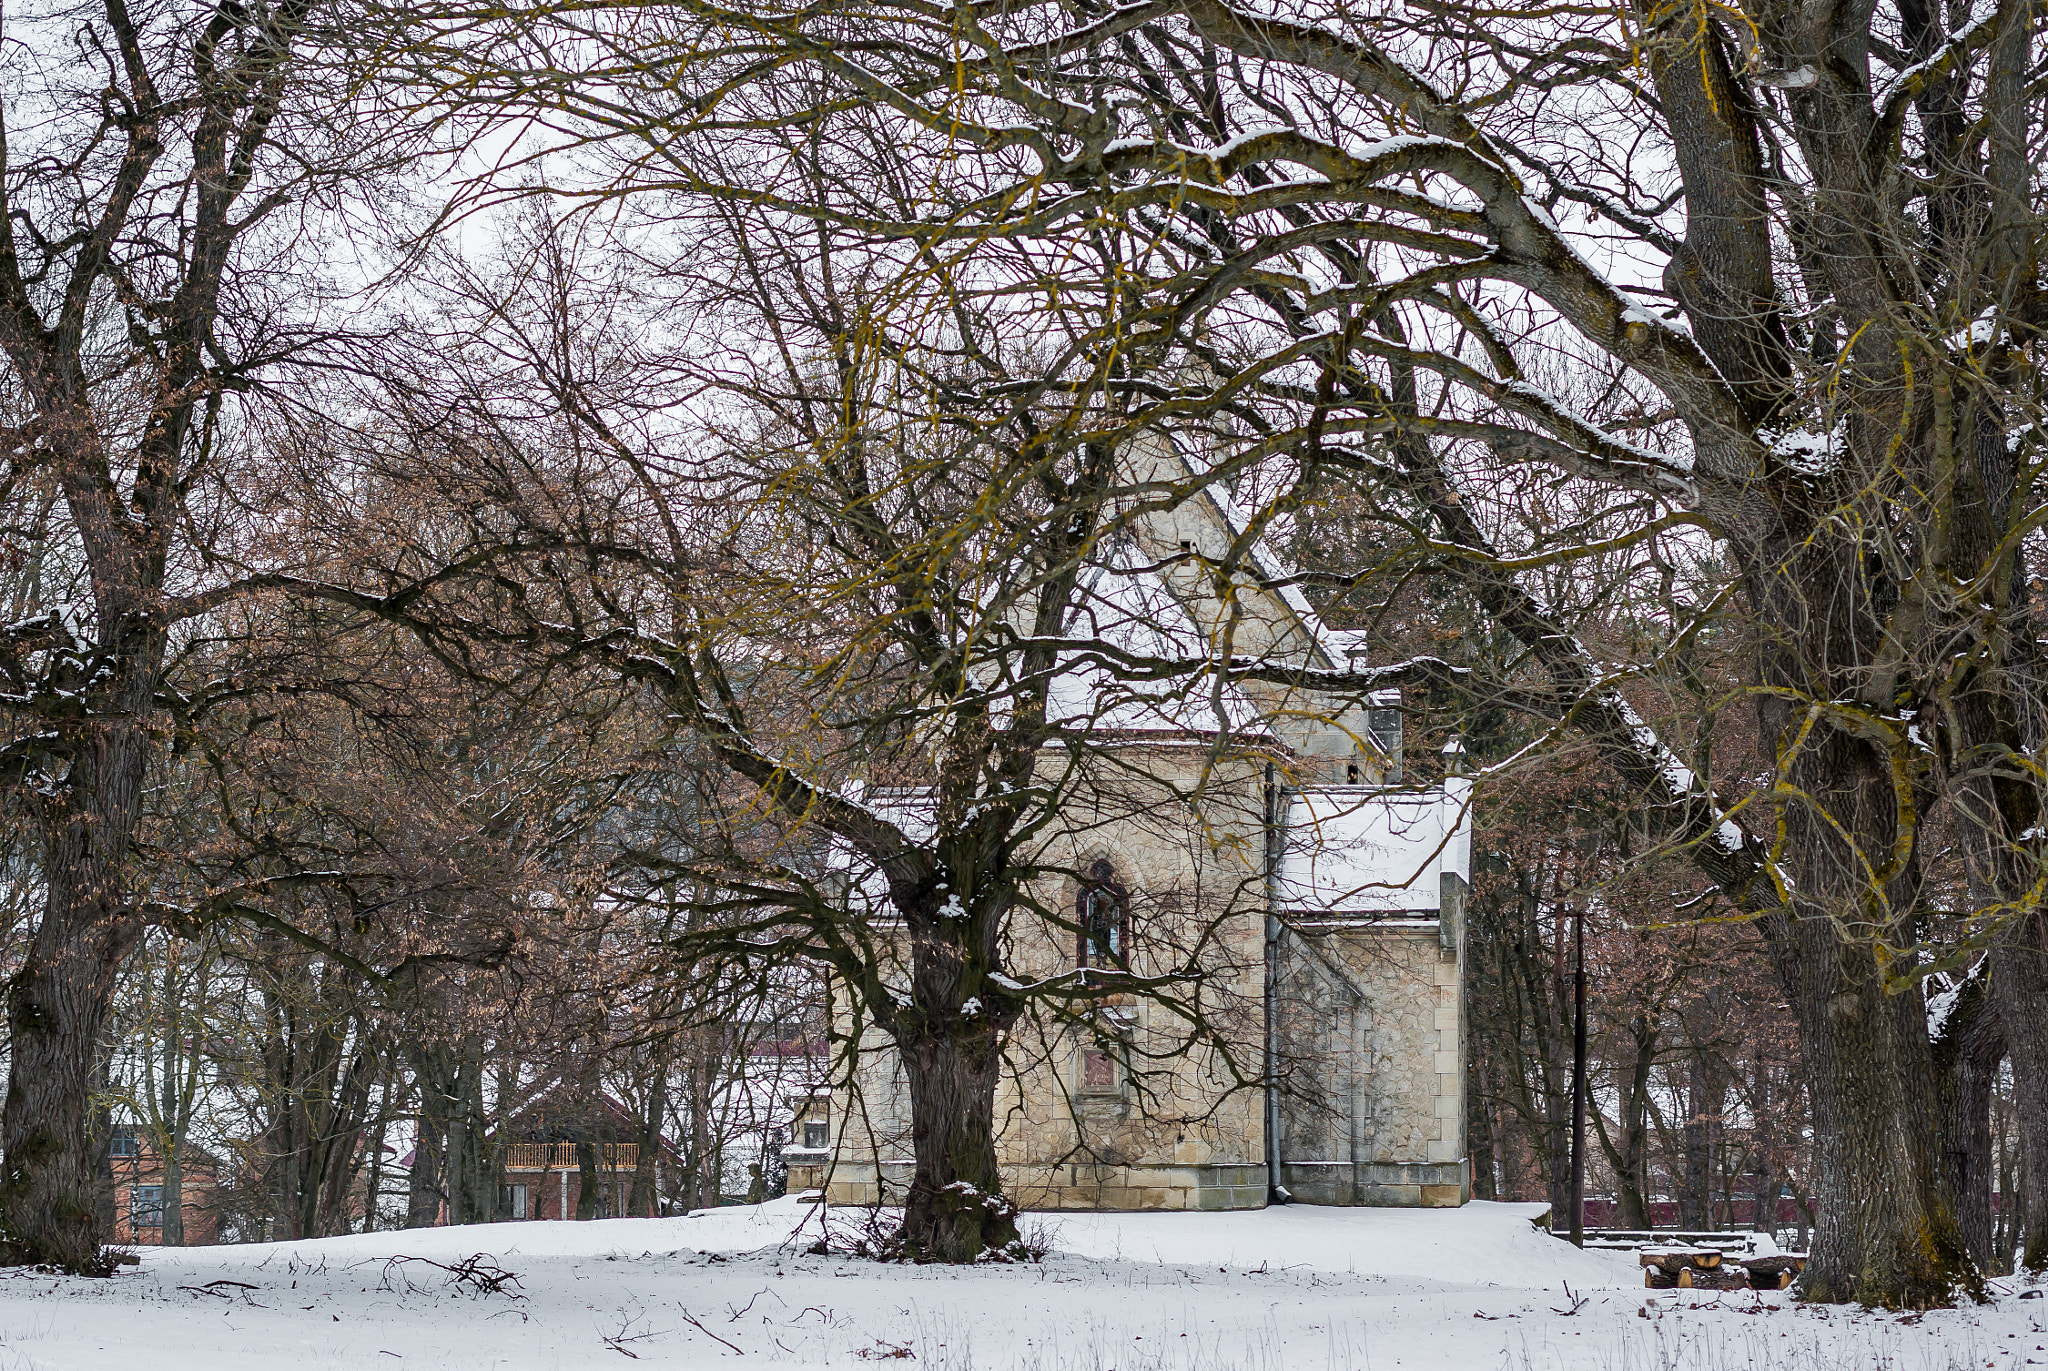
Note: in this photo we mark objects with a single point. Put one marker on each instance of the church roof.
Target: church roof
(1355, 852)
(1128, 609)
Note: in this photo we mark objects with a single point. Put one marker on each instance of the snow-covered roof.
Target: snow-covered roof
(1131, 612)
(1348, 851)
(1351, 851)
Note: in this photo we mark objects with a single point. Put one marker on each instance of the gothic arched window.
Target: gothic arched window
(1103, 912)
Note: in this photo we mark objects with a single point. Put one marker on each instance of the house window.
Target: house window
(145, 1206)
(125, 1143)
(1098, 1070)
(1103, 913)
(817, 1136)
(513, 1201)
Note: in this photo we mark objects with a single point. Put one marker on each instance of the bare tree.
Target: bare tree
(1810, 341)
(865, 565)
(161, 165)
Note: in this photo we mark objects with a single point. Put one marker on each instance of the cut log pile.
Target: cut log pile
(1709, 1268)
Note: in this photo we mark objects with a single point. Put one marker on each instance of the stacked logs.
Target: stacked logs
(1708, 1268)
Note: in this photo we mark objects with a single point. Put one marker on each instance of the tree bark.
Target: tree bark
(373, 1185)
(174, 1198)
(1479, 1130)
(2019, 986)
(1889, 1233)
(1983, 1050)
(956, 1209)
(643, 1201)
(423, 1186)
(586, 1176)
(57, 1008)
(172, 1110)
(1706, 1091)
(1628, 1155)
(103, 1151)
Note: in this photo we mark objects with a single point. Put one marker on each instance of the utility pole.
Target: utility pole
(1579, 1080)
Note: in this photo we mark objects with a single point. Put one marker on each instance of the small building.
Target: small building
(140, 1197)
(1249, 826)
(538, 1147)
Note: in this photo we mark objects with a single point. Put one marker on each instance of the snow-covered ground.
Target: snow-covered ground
(1295, 1289)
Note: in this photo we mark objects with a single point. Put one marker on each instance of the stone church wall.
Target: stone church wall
(1118, 1107)
(1371, 1042)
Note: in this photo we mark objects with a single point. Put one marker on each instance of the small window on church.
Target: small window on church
(1103, 913)
(1098, 1070)
(1351, 773)
(816, 1136)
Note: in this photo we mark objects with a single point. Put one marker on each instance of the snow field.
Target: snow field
(1294, 1289)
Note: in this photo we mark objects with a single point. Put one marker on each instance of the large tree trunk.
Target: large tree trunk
(2019, 987)
(956, 1209)
(1889, 1233)
(58, 1004)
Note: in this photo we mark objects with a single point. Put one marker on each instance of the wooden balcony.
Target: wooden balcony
(562, 1156)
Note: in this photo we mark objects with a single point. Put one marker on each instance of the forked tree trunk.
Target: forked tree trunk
(1889, 1234)
(1629, 1145)
(956, 1210)
(2019, 987)
(58, 1007)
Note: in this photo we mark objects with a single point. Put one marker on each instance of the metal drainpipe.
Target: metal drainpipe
(1276, 1193)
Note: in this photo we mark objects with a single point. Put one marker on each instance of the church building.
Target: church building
(1256, 832)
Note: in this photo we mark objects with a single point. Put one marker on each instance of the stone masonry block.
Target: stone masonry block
(1391, 1196)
